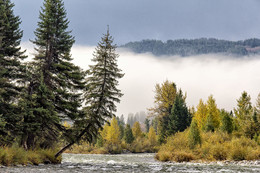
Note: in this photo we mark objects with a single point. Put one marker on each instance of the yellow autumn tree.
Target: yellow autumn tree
(201, 114)
(103, 132)
(213, 114)
(152, 136)
(137, 132)
(165, 94)
(113, 132)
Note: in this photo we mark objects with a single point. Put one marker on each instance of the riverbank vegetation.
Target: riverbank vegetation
(209, 133)
(119, 138)
(38, 96)
(179, 133)
(10, 156)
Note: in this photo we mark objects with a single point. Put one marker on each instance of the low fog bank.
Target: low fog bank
(199, 76)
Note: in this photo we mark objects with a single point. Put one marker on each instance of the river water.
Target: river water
(125, 163)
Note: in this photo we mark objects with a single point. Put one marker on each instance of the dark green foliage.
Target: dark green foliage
(102, 92)
(40, 120)
(54, 42)
(155, 123)
(100, 141)
(122, 131)
(147, 125)
(11, 70)
(185, 47)
(180, 118)
(121, 124)
(128, 136)
(226, 122)
(52, 93)
(163, 128)
(209, 126)
(194, 134)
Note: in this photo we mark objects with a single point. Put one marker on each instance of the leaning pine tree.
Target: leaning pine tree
(11, 72)
(101, 91)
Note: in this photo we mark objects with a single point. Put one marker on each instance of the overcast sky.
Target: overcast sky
(135, 20)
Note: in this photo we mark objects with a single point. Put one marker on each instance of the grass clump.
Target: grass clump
(14, 155)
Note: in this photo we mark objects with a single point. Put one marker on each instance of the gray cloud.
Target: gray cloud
(151, 19)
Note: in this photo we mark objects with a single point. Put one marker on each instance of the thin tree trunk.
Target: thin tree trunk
(73, 142)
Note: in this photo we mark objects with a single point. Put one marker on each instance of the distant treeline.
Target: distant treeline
(188, 47)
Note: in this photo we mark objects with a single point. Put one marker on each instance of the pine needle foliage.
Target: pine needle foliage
(102, 82)
(53, 45)
(11, 69)
(54, 82)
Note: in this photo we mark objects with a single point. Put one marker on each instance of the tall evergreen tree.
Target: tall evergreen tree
(180, 118)
(102, 92)
(102, 82)
(60, 75)
(41, 123)
(244, 115)
(128, 136)
(226, 122)
(147, 124)
(244, 107)
(11, 68)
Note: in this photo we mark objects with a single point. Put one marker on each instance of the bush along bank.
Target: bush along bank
(214, 146)
(11, 156)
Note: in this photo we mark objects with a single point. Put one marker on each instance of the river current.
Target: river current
(126, 163)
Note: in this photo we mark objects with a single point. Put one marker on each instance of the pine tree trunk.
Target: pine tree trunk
(24, 141)
(73, 142)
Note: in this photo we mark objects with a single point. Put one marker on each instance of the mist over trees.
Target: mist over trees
(189, 47)
(137, 117)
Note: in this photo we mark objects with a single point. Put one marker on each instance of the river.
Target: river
(125, 163)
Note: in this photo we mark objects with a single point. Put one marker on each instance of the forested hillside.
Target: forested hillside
(188, 47)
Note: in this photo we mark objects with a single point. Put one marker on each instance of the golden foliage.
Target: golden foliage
(215, 146)
(152, 136)
(164, 98)
(137, 132)
(201, 114)
(113, 132)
